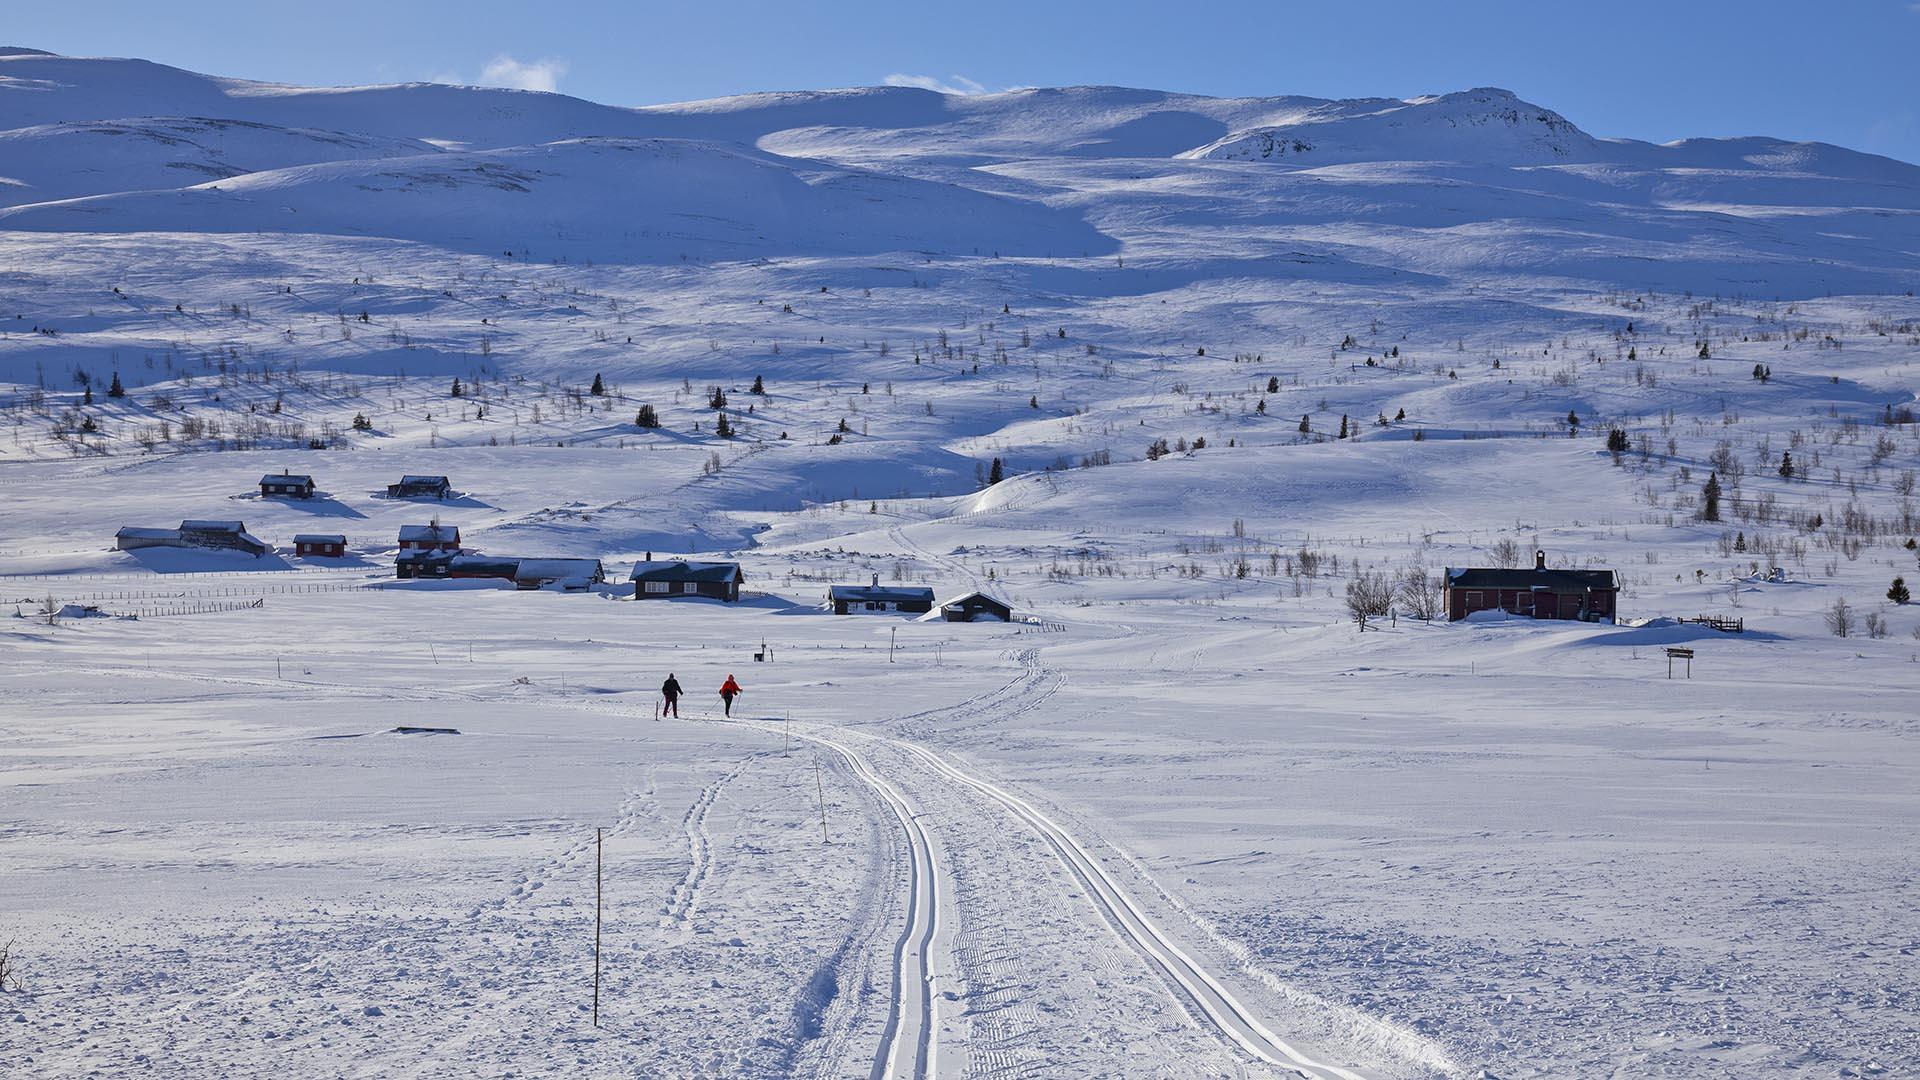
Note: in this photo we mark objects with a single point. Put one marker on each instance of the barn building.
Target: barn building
(319, 545)
(975, 607)
(571, 575)
(503, 567)
(434, 537)
(1586, 595)
(878, 599)
(286, 485)
(420, 487)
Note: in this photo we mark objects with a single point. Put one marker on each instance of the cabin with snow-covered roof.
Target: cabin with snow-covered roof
(878, 599)
(434, 537)
(680, 577)
(976, 607)
(420, 487)
(319, 545)
(287, 485)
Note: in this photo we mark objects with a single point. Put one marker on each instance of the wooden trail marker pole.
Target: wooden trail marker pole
(820, 792)
(1679, 654)
(788, 745)
(597, 833)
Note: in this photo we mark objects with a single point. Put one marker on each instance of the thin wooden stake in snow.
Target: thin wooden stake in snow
(597, 833)
(820, 792)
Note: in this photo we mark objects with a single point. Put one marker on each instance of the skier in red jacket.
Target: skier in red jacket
(728, 691)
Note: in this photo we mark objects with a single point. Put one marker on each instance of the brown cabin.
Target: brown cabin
(1539, 593)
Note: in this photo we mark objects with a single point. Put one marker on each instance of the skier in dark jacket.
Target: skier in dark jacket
(728, 691)
(671, 691)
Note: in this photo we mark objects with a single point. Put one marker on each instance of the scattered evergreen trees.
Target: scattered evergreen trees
(716, 398)
(996, 473)
(646, 417)
(116, 390)
(457, 390)
(722, 428)
(1306, 427)
(361, 423)
(759, 387)
(1786, 465)
(1898, 591)
(599, 389)
(1273, 384)
(1617, 441)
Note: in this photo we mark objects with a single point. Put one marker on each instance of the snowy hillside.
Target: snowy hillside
(1214, 393)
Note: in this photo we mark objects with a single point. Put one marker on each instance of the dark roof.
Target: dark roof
(319, 538)
(1494, 577)
(287, 478)
(508, 564)
(889, 593)
(682, 570)
(434, 480)
(215, 526)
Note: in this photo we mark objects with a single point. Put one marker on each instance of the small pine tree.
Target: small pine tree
(717, 399)
(722, 428)
(456, 391)
(1273, 384)
(759, 387)
(996, 472)
(1344, 426)
(599, 389)
(1710, 498)
(1261, 407)
(86, 395)
(1786, 465)
(116, 390)
(1617, 441)
(1033, 402)
(1573, 418)
(1898, 591)
(1704, 353)
(1400, 414)
(646, 417)
(1306, 428)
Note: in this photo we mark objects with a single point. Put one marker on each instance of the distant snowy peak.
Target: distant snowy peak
(1483, 126)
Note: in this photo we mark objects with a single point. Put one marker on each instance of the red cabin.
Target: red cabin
(321, 545)
(1539, 593)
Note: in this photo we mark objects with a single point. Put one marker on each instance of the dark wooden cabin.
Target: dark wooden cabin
(286, 485)
(877, 599)
(665, 579)
(420, 487)
(1540, 593)
(976, 607)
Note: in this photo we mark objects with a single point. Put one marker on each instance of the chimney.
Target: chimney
(876, 581)
(1540, 560)
(649, 556)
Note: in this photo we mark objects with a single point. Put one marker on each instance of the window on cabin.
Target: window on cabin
(656, 586)
(871, 606)
(691, 587)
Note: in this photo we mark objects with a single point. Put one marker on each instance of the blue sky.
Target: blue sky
(1841, 71)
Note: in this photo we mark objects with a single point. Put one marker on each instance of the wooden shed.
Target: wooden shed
(420, 487)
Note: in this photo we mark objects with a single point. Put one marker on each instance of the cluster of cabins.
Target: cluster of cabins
(433, 551)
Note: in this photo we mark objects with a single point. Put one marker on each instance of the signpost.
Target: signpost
(1679, 654)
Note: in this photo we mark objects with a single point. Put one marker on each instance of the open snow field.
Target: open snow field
(1181, 818)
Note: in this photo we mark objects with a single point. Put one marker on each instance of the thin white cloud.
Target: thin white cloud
(952, 84)
(542, 74)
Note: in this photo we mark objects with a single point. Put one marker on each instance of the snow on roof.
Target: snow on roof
(286, 478)
(684, 570)
(136, 532)
(319, 538)
(976, 594)
(410, 479)
(558, 568)
(429, 532)
(215, 526)
(894, 593)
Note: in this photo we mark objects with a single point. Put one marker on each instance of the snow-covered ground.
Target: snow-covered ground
(1181, 818)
